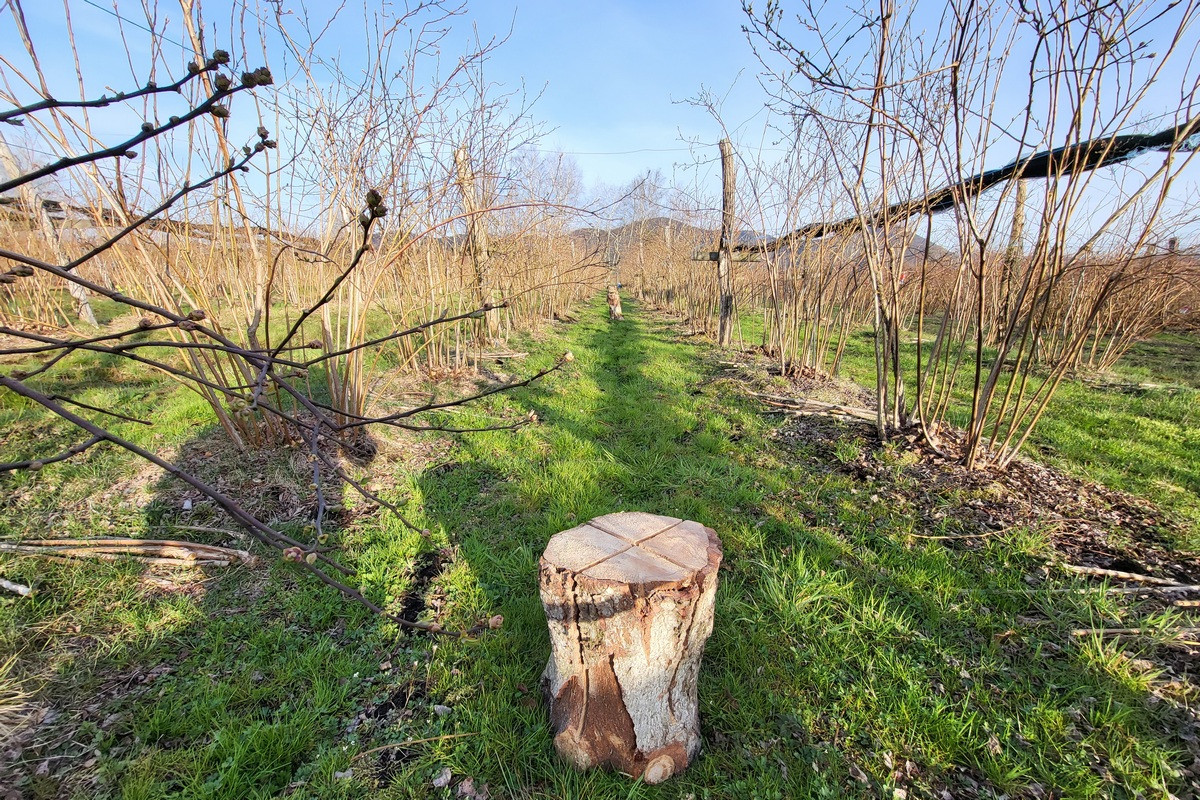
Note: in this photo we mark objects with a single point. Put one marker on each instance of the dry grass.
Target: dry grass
(15, 709)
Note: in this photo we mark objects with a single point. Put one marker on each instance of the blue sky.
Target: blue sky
(617, 76)
(614, 76)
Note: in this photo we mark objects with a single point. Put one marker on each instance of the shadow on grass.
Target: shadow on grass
(1175, 356)
(179, 682)
(844, 657)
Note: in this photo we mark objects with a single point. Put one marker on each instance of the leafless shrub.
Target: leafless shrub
(259, 386)
(907, 109)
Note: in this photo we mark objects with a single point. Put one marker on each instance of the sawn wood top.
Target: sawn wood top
(632, 547)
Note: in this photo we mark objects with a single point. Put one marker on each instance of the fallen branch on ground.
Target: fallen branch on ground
(151, 551)
(1112, 573)
(808, 408)
(1176, 632)
(394, 745)
(1137, 387)
(504, 354)
(19, 588)
(1091, 590)
(980, 535)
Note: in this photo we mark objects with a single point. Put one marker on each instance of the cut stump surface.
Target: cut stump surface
(629, 602)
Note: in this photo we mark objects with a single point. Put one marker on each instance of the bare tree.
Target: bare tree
(921, 107)
(270, 380)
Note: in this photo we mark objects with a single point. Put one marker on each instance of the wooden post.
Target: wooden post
(725, 246)
(477, 239)
(41, 218)
(629, 602)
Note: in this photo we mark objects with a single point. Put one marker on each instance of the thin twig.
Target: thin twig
(981, 535)
(1112, 573)
(38, 463)
(1092, 590)
(104, 100)
(394, 745)
(1174, 632)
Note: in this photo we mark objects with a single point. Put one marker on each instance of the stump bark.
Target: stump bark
(629, 603)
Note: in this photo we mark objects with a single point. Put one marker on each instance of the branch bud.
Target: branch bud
(193, 68)
(34, 466)
(568, 357)
(293, 554)
(223, 82)
(259, 77)
(220, 112)
(188, 325)
(147, 127)
(21, 271)
(263, 133)
(131, 154)
(220, 57)
(373, 198)
(197, 315)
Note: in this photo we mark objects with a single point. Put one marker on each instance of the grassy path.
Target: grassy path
(848, 658)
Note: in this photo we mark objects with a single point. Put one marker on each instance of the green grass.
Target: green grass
(842, 647)
(1145, 442)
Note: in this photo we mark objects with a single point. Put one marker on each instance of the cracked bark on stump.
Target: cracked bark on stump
(629, 603)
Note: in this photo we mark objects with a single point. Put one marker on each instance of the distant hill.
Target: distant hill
(613, 241)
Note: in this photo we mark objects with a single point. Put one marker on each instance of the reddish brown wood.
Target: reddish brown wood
(629, 602)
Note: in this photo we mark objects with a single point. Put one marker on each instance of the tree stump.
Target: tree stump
(629, 602)
(614, 304)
